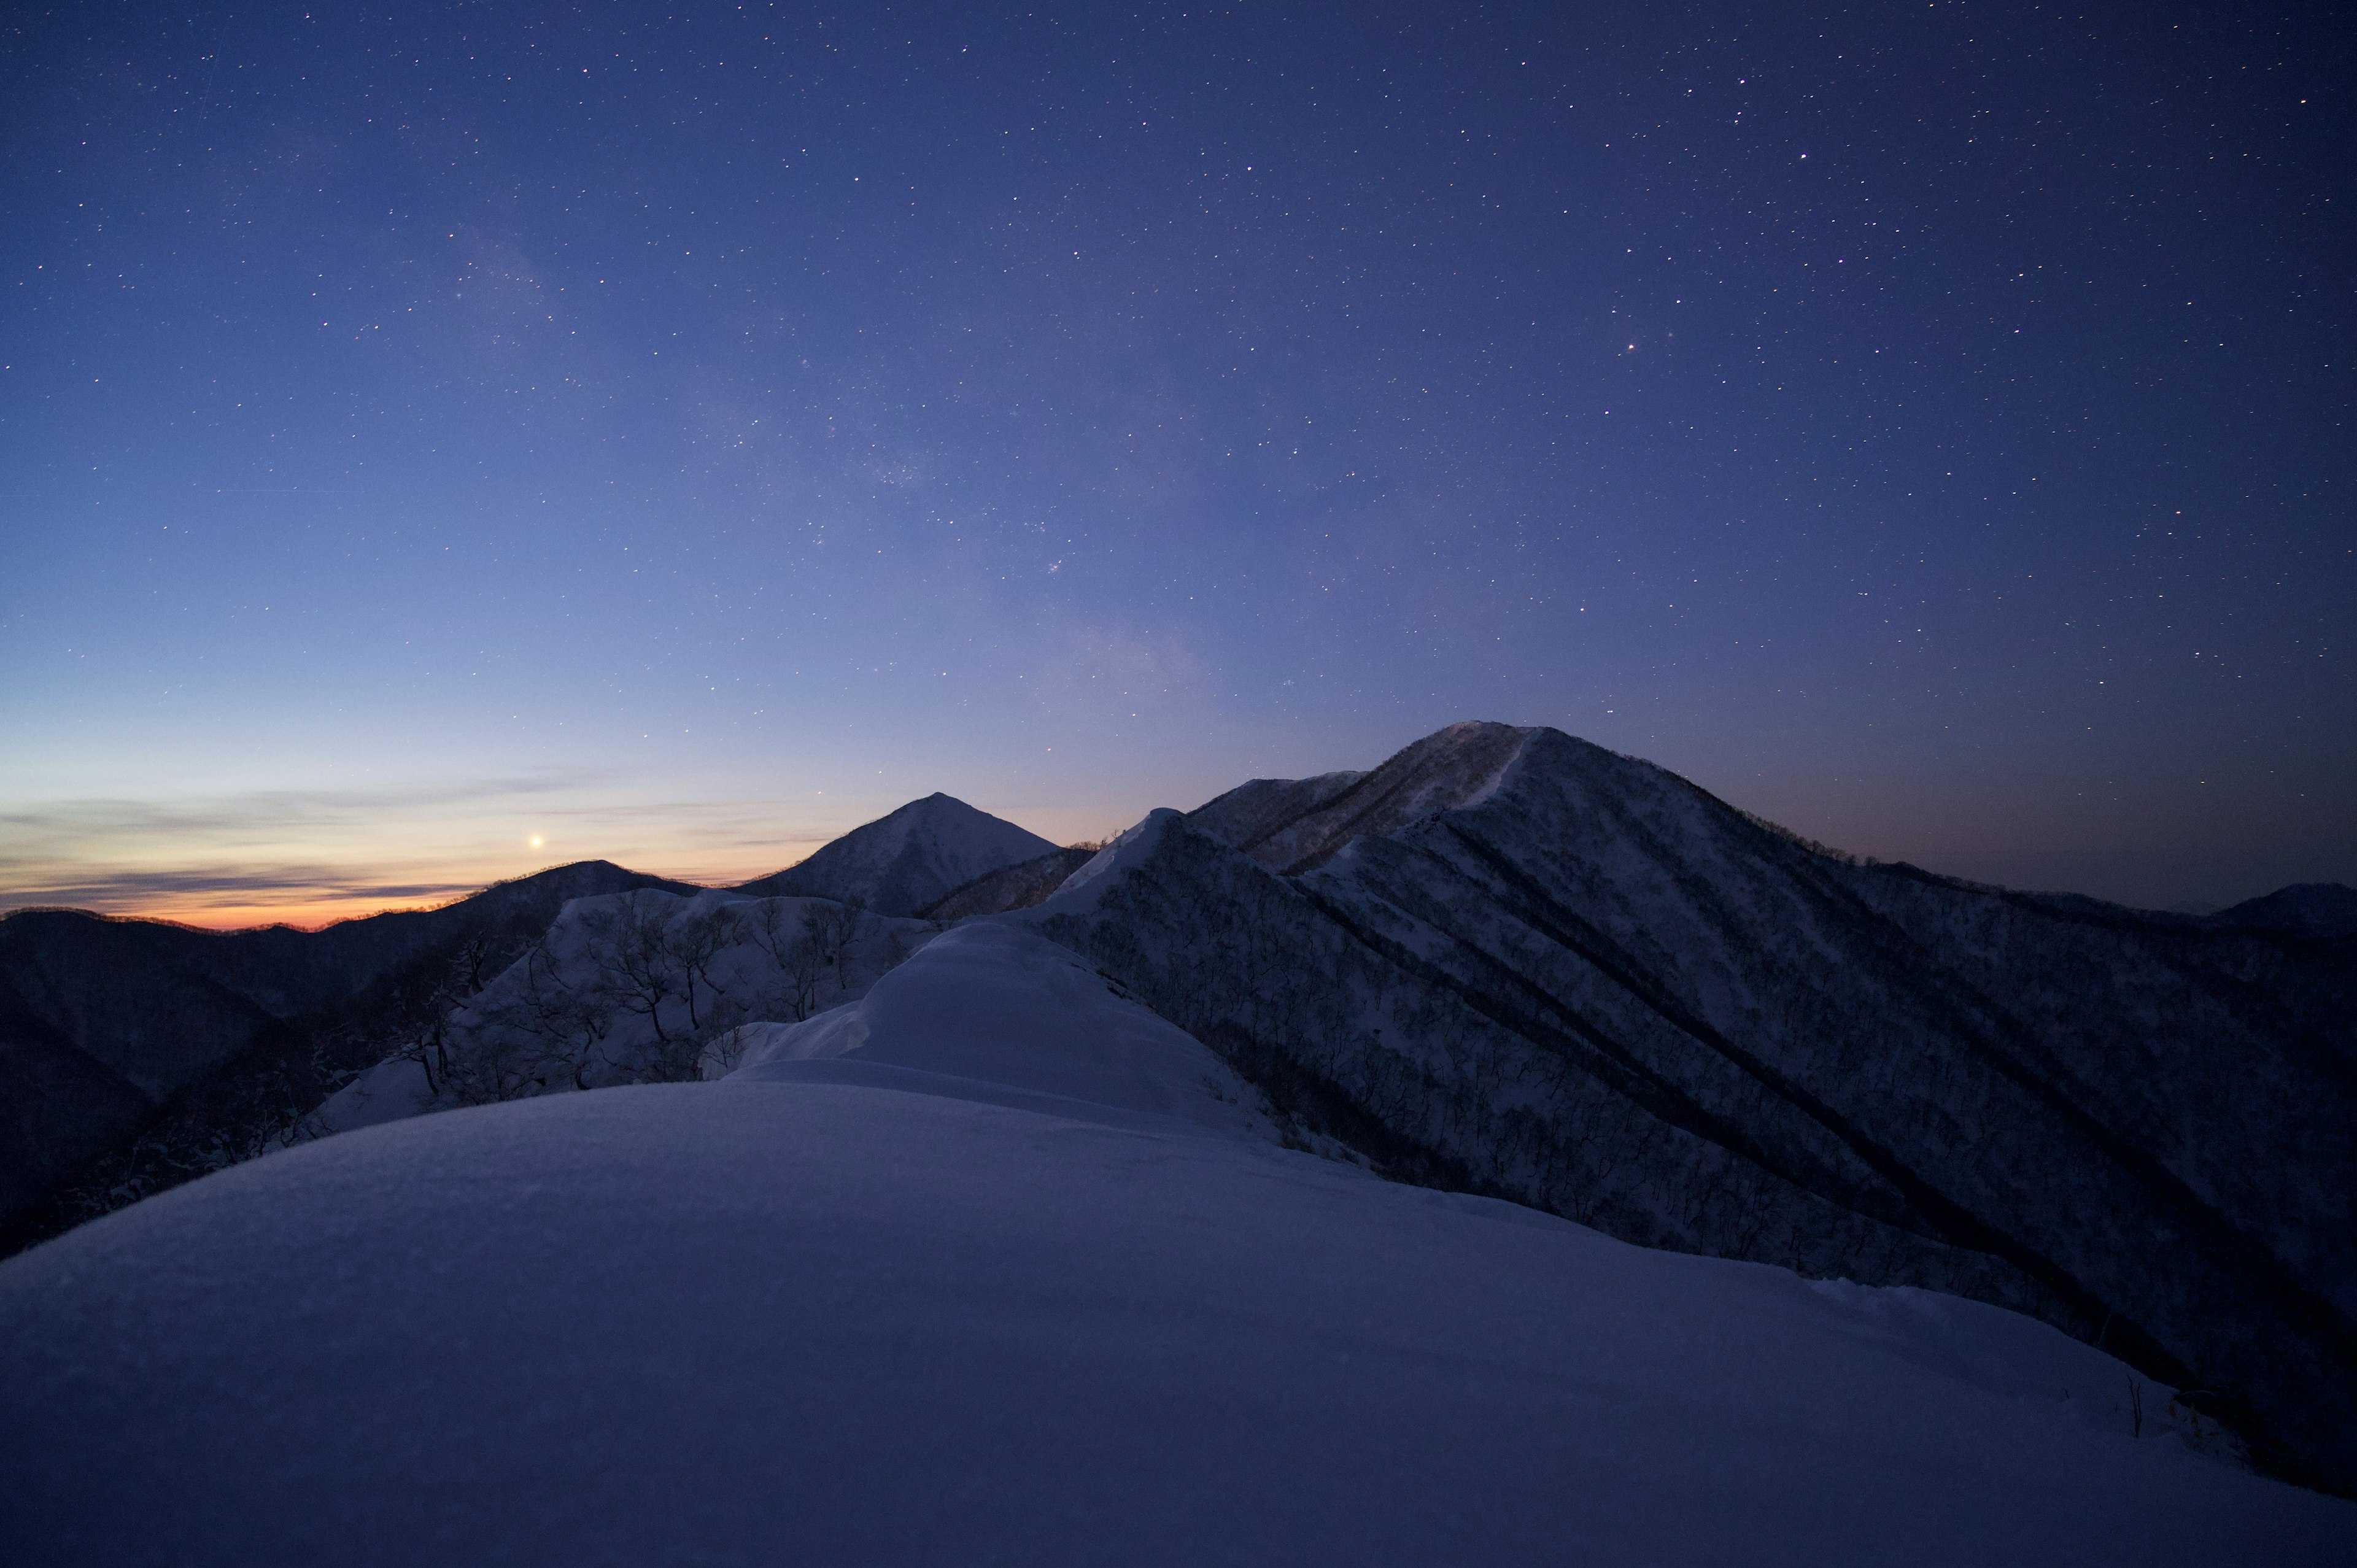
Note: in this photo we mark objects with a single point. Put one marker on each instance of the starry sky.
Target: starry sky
(440, 441)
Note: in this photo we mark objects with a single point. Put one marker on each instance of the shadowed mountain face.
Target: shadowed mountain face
(904, 863)
(1017, 886)
(1512, 961)
(2323, 911)
(103, 1021)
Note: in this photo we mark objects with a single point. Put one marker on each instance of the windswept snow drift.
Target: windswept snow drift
(983, 1285)
(988, 1005)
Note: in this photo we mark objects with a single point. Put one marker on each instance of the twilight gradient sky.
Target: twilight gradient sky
(439, 441)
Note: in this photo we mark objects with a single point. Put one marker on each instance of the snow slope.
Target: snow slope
(1017, 886)
(990, 1003)
(1293, 826)
(931, 1313)
(1509, 958)
(900, 864)
(755, 1321)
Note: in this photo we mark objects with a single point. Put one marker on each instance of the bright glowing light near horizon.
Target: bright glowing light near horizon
(536, 841)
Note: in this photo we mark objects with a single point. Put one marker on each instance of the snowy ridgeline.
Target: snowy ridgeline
(639, 987)
(994, 1265)
(900, 863)
(1511, 961)
(973, 1008)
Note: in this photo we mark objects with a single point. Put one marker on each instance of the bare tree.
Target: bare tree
(415, 1025)
(696, 942)
(764, 923)
(547, 1033)
(798, 959)
(834, 928)
(638, 966)
(410, 1016)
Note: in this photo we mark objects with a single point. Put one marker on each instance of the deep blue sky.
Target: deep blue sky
(680, 434)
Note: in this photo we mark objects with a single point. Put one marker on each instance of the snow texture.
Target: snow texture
(932, 1313)
(1078, 896)
(1017, 886)
(1297, 827)
(989, 1002)
(900, 863)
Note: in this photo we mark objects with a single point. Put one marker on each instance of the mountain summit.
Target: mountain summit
(901, 863)
(1510, 960)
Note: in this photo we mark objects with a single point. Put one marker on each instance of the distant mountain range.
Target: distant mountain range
(1505, 962)
(105, 1023)
(2317, 911)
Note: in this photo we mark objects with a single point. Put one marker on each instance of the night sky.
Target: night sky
(437, 441)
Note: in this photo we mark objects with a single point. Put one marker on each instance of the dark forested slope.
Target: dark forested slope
(103, 1021)
(1512, 960)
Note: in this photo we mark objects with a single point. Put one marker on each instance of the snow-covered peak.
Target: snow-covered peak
(994, 1007)
(1293, 826)
(1254, 810)
(1081, 890)
(900, 864)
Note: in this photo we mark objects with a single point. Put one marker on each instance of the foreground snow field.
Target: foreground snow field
(910, 1301)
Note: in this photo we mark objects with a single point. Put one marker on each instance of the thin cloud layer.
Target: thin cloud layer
(309, 857)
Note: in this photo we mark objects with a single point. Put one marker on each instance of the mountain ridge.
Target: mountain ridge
(1509, 961)
(906, 859)
(112, 1027)
(1580, 980)
(105, 1019)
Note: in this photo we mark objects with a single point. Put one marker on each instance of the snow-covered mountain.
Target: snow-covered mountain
(2321, 911)
(109, 1028)
(1511, 962)
(1017, 886)
(1017, 1275)
(647, 986)
(1504, 962)
(138, 1052)
(900, 864)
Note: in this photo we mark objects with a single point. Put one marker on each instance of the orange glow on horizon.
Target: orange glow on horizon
(308, 915)
(329, 906)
